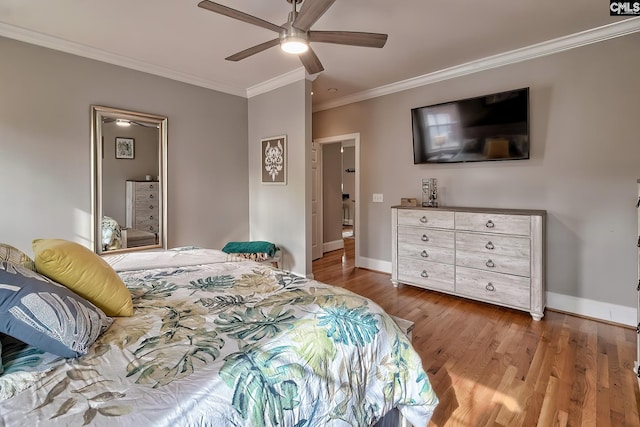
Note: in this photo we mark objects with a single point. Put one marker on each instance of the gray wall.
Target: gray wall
(45, 156)
(331, 192)
(585, 157)
(281, 213)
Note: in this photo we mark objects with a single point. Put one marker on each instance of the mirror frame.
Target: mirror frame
(98, 114)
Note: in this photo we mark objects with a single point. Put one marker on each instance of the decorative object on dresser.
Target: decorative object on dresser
(142, 213)
(408, 202)
(430, 192)
(491, 255)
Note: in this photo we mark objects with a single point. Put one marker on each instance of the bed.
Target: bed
(133, 238)
(218, 341)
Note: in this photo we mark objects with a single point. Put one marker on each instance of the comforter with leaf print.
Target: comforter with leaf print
(219, 343)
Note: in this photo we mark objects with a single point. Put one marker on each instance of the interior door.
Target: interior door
(316, 202)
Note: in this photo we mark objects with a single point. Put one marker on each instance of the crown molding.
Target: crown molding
(538, 50)
(280, 81)
(550, 47)
(78, 49)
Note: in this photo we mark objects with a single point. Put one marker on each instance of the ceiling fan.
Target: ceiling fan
(295, 34)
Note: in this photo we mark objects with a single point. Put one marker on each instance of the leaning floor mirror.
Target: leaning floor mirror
(129, 174)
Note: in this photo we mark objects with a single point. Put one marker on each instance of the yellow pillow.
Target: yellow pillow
(85, 273)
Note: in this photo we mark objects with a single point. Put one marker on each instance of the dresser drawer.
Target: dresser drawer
(150, 226)
(494, 244)
(147, 206)
(496, 263)
(147, 215)
(425, 237)
(433, 275)
(146, 197)
(147, 186)
(425, 218)
(493, 223)
(426, 252)
(494, 287)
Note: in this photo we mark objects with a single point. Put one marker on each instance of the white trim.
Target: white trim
(595, 35)
(277, 82)
(550, 47)
(332, 246)
(78, 49)
(375, 264)
(591, 308)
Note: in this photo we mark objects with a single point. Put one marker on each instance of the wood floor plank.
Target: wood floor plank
(492, 366)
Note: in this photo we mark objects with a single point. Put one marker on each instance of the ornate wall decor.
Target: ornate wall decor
(274, 160)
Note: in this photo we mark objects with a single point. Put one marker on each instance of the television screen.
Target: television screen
(490, 127)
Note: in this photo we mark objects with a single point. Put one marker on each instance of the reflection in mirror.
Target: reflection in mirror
(129, 180)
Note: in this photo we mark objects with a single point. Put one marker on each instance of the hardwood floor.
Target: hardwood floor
(492, 366)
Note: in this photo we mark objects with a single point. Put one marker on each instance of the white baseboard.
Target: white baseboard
(374, 264)
(332, 246)
(599, 310)
(594, 309)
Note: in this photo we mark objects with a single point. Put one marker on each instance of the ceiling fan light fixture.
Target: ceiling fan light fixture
(295, 45)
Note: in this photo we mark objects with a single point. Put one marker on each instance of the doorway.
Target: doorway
(348, 187)
(353, 201)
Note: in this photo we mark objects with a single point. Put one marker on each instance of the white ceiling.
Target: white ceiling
(177, 39)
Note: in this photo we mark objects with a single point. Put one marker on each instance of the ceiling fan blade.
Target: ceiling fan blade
(241, 16)
(253, 50)
(310, 12)
(311, 62)
(352, 38)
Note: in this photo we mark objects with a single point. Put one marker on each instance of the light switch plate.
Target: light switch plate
(377, 198)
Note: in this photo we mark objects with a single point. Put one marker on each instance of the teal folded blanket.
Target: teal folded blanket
(250, 248)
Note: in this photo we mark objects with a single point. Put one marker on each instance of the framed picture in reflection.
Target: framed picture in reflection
(124, 148)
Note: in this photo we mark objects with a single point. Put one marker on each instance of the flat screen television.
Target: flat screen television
(485, 128)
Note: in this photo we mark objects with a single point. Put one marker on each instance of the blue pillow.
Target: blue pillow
(47, 315)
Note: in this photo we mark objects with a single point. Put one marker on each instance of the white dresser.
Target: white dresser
(142, 207)
(490, 255)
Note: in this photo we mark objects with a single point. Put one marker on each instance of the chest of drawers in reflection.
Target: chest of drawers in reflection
(142, 207)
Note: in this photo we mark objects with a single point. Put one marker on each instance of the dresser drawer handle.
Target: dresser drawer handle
(489, 245)
(490, 287)
(150, 206)
(424, 274)
(151, 228)
(490, 224)
(423, 219)
(490, 264)
(151, 186)
(425, 238)
(424, 254)
(151, 196)
(150, 216)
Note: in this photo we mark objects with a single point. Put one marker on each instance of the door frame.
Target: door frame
(317, 227)
(356, 227)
